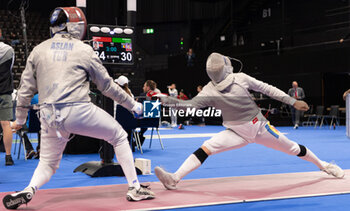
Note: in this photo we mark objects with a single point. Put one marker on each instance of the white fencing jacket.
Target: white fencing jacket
(237, 107)
(59, 69)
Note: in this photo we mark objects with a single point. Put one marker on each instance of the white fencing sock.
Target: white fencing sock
(308, 155)
(42, 175)
(190, 164)
(126, 161)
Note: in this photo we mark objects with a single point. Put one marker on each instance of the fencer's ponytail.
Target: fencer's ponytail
(126, 89)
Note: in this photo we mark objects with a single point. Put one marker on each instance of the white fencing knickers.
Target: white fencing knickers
(60, 120)
(264, 134)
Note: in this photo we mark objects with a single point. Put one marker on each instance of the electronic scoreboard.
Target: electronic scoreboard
(112, 44)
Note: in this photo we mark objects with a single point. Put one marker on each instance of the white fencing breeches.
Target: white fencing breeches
(266, 135)
(59, 121)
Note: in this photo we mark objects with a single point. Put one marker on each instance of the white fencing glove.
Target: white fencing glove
(138, 108)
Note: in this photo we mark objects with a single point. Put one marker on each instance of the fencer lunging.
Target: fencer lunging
(59, 69)
(242, 118)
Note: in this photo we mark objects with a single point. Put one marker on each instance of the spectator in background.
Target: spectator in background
(172, 90)
(14, 39)
(173, 93)
(1, 37)
(182, 95)
(123, 82)
(297, 93)
(156, 90)
(190, 56)
(7, 56)
(149, 90)
(199, 88)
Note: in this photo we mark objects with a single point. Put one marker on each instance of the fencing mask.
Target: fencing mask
(219, 67)
(70, 19)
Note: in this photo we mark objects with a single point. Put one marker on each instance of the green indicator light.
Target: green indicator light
(181, 43)
(121, 40)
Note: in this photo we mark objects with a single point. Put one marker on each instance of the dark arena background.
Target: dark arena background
(277, 41)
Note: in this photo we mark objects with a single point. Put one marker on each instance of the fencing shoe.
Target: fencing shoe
(13, 201)
(334, 170)
(143, 193)
(166, 178)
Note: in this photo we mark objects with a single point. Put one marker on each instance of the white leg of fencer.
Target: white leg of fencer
(348, 115)
(224, 141)
(276, 140)
(51, 150)
(220, 142)
(90, 120)
(311, 157)
(126, 161)
(189, 165)
(41, 176)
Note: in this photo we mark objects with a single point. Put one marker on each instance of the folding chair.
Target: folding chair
(19, 134)
(333, 115)
(155, 124)
(151, 123)
(312, 119)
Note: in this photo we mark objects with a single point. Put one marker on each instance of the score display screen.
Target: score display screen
(113, 50)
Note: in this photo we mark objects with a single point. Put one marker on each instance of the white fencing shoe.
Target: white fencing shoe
(334, 170)
(143, 193)
(13, 201)
(166, 178)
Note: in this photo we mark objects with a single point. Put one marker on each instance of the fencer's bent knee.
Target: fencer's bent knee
(201, 155)
(119, 138)
(53, 165)
(206, 150)
(303, 151)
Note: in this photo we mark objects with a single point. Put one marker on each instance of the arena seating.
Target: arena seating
(37, 31)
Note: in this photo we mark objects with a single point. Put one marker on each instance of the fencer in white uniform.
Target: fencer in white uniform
(59, 69)
(242, 118)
